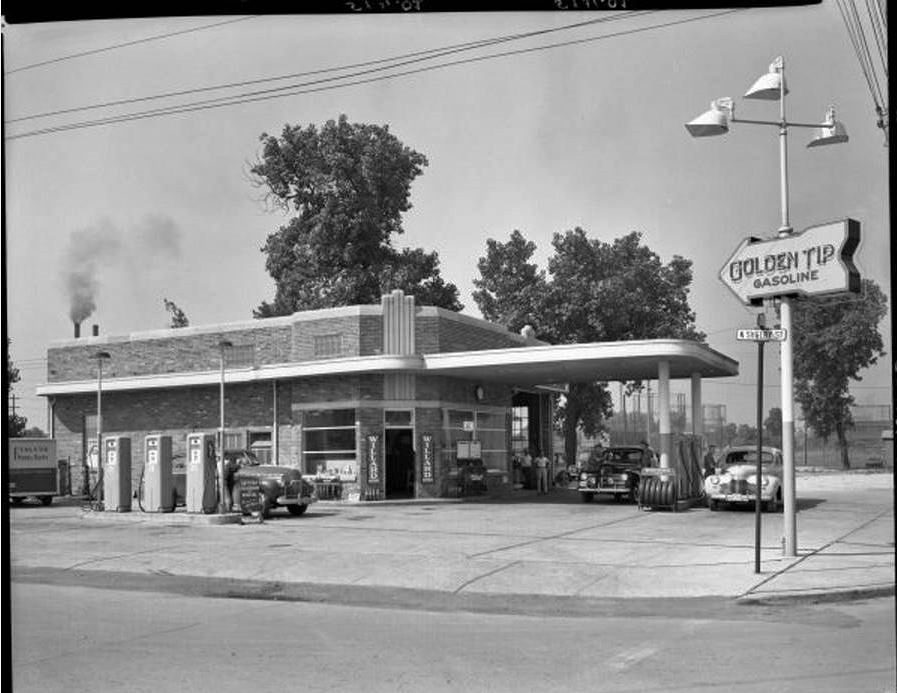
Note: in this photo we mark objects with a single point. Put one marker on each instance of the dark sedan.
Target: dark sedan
(278, 486)
(616, 471)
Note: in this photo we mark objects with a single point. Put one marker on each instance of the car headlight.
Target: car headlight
(714, 480)
(625, 476)
(752, 479)
(583, 476)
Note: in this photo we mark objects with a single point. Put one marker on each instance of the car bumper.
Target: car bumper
(737, 497)
(297, 500)
(604, 489)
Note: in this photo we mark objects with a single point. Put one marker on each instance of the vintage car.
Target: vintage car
(736, 478)
(278, 486)
(616, 470)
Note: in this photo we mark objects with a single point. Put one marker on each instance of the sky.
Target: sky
(588, 134)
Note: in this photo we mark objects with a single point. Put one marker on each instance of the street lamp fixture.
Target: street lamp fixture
(771, 87)
(100, 356)
(223, 345)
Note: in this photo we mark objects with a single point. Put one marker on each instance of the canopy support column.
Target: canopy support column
(663, 395)
(697, 407)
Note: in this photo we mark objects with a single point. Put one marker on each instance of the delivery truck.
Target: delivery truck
(32, 470)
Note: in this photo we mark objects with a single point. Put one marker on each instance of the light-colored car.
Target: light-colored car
(736, 481)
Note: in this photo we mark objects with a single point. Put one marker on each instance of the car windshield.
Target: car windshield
(633, 456)
(749, 457)
(243, 458)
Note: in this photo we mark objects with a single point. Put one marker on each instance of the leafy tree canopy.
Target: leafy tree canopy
(348, 185)
(773, 426)
(835, 337)
(593, 291)
(15, 423)
(178, 316)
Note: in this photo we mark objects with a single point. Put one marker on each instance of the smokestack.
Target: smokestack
(96, 330)
(77, 330)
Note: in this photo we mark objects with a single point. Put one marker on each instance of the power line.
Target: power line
(266, 95)
(432, 53)
(129, 43)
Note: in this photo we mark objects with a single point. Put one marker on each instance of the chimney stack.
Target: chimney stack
(96, 330)
(77, 330)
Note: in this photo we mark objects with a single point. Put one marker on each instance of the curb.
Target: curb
(418, 599)
(136, 517)
(827, 596)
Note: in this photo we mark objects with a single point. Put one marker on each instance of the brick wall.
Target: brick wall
(445, 333)
(182, 351)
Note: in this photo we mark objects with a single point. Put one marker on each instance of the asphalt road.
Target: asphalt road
(71, 638)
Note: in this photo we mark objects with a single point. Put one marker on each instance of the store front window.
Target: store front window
(488, 427)
(328, 443)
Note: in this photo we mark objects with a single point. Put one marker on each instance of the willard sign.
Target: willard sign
(816, 261)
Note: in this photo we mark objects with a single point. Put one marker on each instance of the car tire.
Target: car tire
(713, 504)
(771, 506)
(297, 509)
(633, 493)
(16, 500)
(586, 497)
(46, 500)
(264, 506)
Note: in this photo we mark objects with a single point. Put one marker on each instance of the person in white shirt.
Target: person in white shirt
(542, 463)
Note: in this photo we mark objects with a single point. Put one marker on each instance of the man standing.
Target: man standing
(526, 464)
(542, 463)
(710, 461)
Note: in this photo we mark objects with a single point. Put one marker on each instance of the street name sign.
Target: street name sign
(818, 260)
(756, 334)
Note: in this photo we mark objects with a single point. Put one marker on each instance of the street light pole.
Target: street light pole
(222, 485)
(786, 353)
(771, 86)
(99, 356)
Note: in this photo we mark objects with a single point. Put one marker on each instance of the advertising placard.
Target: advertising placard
(426, 472)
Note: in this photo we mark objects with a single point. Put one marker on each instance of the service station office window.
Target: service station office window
(328, 444)
(486, 427)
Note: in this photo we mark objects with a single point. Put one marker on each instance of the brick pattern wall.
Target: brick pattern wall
(441, 334)
(181, 353)
(168, 412)
(174, 354)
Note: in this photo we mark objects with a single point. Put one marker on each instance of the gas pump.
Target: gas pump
(158, 481)
(202, 496)
(117, 474)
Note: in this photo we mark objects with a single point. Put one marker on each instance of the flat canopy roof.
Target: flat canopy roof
(522, 366)
(596, 361)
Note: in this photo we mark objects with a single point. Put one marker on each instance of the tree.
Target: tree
(730, 433)
(593, 292)
(835, 337)
(747, 434)
(772, 426)
(348, 184)
(178, 316)
(15, 424)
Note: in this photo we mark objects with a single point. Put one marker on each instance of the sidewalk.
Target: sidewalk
(482, 553)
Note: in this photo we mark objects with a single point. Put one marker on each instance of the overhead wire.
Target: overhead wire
(431, 52)
(293, 90)
(856, 33)
(127, 43)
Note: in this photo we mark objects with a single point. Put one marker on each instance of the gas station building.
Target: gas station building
(376, 396)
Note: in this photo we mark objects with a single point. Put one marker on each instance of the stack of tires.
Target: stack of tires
(657, 492)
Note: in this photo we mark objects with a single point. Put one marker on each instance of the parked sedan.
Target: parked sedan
(615, 471)
(736, 481)
(278, 486)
